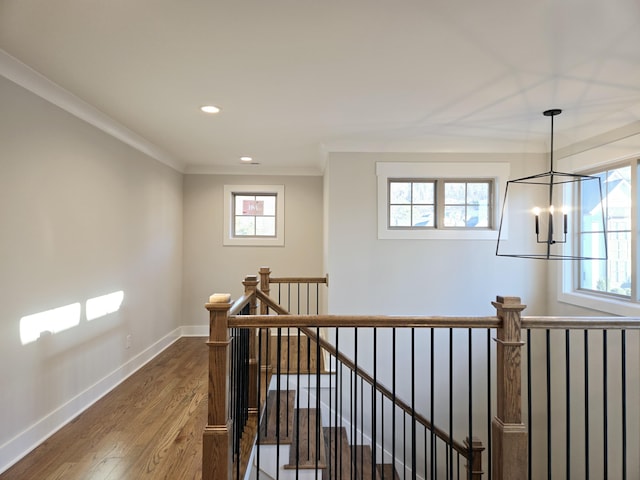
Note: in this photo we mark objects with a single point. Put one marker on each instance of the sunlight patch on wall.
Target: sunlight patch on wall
(60, 319)
(104, 305)
(52, 321)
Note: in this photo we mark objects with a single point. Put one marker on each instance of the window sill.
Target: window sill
(611, 306)
(437, 234)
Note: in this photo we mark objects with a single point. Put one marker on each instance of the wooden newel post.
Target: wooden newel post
(217, 449)
(265, 333)
(475, 462)
(509, 433)
(250, 285)
(265, 272)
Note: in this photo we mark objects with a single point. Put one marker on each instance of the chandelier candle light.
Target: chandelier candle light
(585, 190)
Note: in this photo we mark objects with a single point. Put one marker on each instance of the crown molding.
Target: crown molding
(33, 81)
(250, 169)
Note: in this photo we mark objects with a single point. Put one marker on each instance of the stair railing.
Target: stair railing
(217, 439)
(613, 376)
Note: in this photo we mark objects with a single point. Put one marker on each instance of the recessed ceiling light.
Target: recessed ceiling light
(209, 109)
(246, 159)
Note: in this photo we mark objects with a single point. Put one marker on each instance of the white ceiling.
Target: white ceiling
(298, 78)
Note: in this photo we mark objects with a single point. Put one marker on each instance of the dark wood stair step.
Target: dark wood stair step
(339, 465)
(363, 463)
(284, 405)
(387, 471)
(306, 452)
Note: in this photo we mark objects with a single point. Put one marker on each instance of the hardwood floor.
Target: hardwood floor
(150, 426)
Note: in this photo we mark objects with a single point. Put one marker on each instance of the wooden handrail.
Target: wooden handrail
(239, 304)
(582, 323)
(364, 321)
(324, 279)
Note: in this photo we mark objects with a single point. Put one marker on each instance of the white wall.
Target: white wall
(420, 277)
(82, 215)
(211, 267)
(417, 277)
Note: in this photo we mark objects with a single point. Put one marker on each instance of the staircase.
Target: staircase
(293, 442)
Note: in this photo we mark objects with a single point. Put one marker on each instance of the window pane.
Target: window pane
(614, 274)
(454, 216)
(593, 274)
(241, 201)
(244, 226)
(478, 193)
(266, 226)
(269, 204)
(422, 216)
(454, 193)
(619, 262)
(399, 192)
(477, 216)
(399, 216)
(423, 192)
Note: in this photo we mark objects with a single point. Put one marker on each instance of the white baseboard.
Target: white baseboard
(19, 446)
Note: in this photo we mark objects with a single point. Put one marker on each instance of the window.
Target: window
(254, 215)
(411, 203)
(606, 285)
(468, 204)
(460, 204)
(613, 276)
(439, 200)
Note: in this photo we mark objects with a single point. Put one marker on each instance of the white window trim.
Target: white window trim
(496, 171)
(590, 159)
(229, 239)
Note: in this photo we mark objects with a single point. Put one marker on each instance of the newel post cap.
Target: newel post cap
(220, 298)
(508, 303)
(219, 301)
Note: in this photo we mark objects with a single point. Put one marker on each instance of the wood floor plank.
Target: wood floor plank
(150, 426)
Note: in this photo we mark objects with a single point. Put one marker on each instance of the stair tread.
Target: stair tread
(305, 452)
(269, 433)
(387, 471)
(363, 462)
(339, 465)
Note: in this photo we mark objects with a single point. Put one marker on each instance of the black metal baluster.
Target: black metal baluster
(431, 405)
(567, 404)
(298, 408)
(374, 406)
(278, 390)
(586, 403)
(548, 359)
(489, 406)
(470, 460)
(529, 414)
(450, 441)
(361, 425)
(623, 350)
(355, 392)
(393, 394)
(308, 395)
(317, 401)
(413, 404)
(605, 400)
(259, 361)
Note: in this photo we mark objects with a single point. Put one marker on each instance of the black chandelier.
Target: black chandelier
(546, 236)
